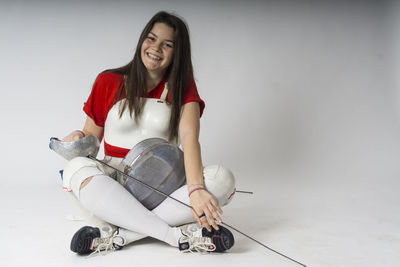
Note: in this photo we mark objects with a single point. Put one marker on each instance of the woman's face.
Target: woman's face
(157, 49)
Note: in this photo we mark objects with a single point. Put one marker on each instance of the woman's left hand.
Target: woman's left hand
(204, 203)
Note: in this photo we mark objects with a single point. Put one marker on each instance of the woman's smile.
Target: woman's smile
(157, 49)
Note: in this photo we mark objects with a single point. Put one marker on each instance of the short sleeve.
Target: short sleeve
(102, 96)
(191, 95)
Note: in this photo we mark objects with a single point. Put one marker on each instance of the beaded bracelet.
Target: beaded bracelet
(195, 189)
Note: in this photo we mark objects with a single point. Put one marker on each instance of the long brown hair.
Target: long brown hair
(177, 74)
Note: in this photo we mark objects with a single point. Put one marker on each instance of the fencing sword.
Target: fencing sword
(177, 200)
(244, 192)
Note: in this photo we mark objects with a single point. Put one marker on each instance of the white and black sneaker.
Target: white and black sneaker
(198, 239)
(94, 240)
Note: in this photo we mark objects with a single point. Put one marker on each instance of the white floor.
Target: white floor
(319, 224)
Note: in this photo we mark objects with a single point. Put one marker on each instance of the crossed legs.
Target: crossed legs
(111, 202)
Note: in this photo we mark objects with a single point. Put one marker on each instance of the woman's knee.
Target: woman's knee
(85, 182)
(78, 173)
(220, 182)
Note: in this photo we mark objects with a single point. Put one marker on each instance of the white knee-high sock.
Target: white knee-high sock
(129, 236)
(170, 211)
(173, 212)
(111, 202)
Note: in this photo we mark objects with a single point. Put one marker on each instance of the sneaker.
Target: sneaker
(89, 240)
(198, 239)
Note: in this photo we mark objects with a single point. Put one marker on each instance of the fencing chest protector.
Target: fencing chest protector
(124, 132)
(152, 159)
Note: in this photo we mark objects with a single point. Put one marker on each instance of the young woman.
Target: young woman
(153, 96)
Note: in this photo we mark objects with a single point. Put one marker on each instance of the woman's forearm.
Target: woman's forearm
(192, 159)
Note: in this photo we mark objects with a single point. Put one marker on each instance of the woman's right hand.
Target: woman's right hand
(75, 135)
(204, 205)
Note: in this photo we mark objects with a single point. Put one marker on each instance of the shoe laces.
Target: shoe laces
(200, 244)
(102, 245)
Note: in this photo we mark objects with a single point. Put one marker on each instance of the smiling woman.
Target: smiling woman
(157, 49)
(162, 54)
(153, 96)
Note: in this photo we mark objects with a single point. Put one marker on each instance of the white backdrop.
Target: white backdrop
(305, 92)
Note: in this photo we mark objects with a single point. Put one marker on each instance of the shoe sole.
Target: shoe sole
(82, 240)
(222, 239)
